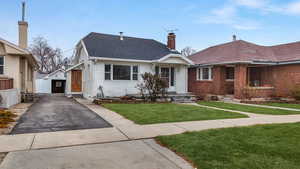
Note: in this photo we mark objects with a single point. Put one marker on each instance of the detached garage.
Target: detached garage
(54, 82)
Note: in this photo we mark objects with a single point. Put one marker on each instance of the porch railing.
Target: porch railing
(6, 84)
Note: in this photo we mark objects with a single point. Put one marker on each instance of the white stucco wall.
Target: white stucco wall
(117, 87)
(123, 87)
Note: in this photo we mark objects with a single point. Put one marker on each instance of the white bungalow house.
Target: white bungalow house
(115, 63)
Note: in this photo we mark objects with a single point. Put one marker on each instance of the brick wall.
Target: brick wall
(286, 78)
(240, 81)
(200, 88)
(283, 78)
(258, 92)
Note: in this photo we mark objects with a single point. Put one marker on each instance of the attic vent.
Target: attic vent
(121, 36)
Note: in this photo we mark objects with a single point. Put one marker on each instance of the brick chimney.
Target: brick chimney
(171, 41)
(23, 30)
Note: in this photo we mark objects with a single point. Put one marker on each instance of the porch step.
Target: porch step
(77, 95)
(28, 97)
(183, 98)
(230, 99)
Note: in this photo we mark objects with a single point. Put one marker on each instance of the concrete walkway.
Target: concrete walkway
(138, 154)
(125, 129)
(266, 106)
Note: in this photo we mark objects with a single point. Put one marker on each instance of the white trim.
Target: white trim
(176, 55)
(144, 61)
(131, 71)
(84, 47)
(72, 67)
(61, 70)
(117, 59)
(199, 71)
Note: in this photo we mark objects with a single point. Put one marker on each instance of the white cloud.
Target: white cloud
(251, 3)
(228, 15)
(293, 8)
(244, 25)
(223, 15)
(266, 6)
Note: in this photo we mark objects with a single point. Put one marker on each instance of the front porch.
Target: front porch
(244, 81)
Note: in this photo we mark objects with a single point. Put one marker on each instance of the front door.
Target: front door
(168, 74)
(76, 81)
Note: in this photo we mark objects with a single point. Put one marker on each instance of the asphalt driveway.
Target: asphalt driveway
(57, 113)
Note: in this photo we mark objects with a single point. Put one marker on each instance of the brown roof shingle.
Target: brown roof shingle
(243, 51)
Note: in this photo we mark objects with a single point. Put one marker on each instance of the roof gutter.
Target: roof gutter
(251, 62)
(140, 61)
(118, 59)
(224, 63)
(289, 62)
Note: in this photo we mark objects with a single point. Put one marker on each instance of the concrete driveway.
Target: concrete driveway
(57, 113)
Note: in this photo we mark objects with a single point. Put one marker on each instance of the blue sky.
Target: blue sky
(200, 23)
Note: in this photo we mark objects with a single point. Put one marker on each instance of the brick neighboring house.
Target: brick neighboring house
(246, 70)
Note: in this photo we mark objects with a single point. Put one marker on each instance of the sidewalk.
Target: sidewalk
(125, 129)
(137, 154)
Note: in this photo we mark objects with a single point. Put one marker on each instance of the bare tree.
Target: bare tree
(187, 51)
(50, 59)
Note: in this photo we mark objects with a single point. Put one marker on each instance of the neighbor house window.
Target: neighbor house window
(121, 72)
(204, 73)
(1, 65)
(107, 73)
(135, 72)
(229, 73)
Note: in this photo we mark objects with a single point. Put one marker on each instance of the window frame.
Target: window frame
(3, 65)
(131, 72)
(135, 73)
(199, 74)
(108, 72)
(226, 73)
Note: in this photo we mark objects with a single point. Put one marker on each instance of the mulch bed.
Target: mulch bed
(126, 100)
(6, 117)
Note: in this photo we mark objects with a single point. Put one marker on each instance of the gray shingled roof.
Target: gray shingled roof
(110, 46)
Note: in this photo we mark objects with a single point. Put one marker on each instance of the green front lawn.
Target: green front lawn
(246, 108)
(285, 105)
(257, 147)
(163, 113)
